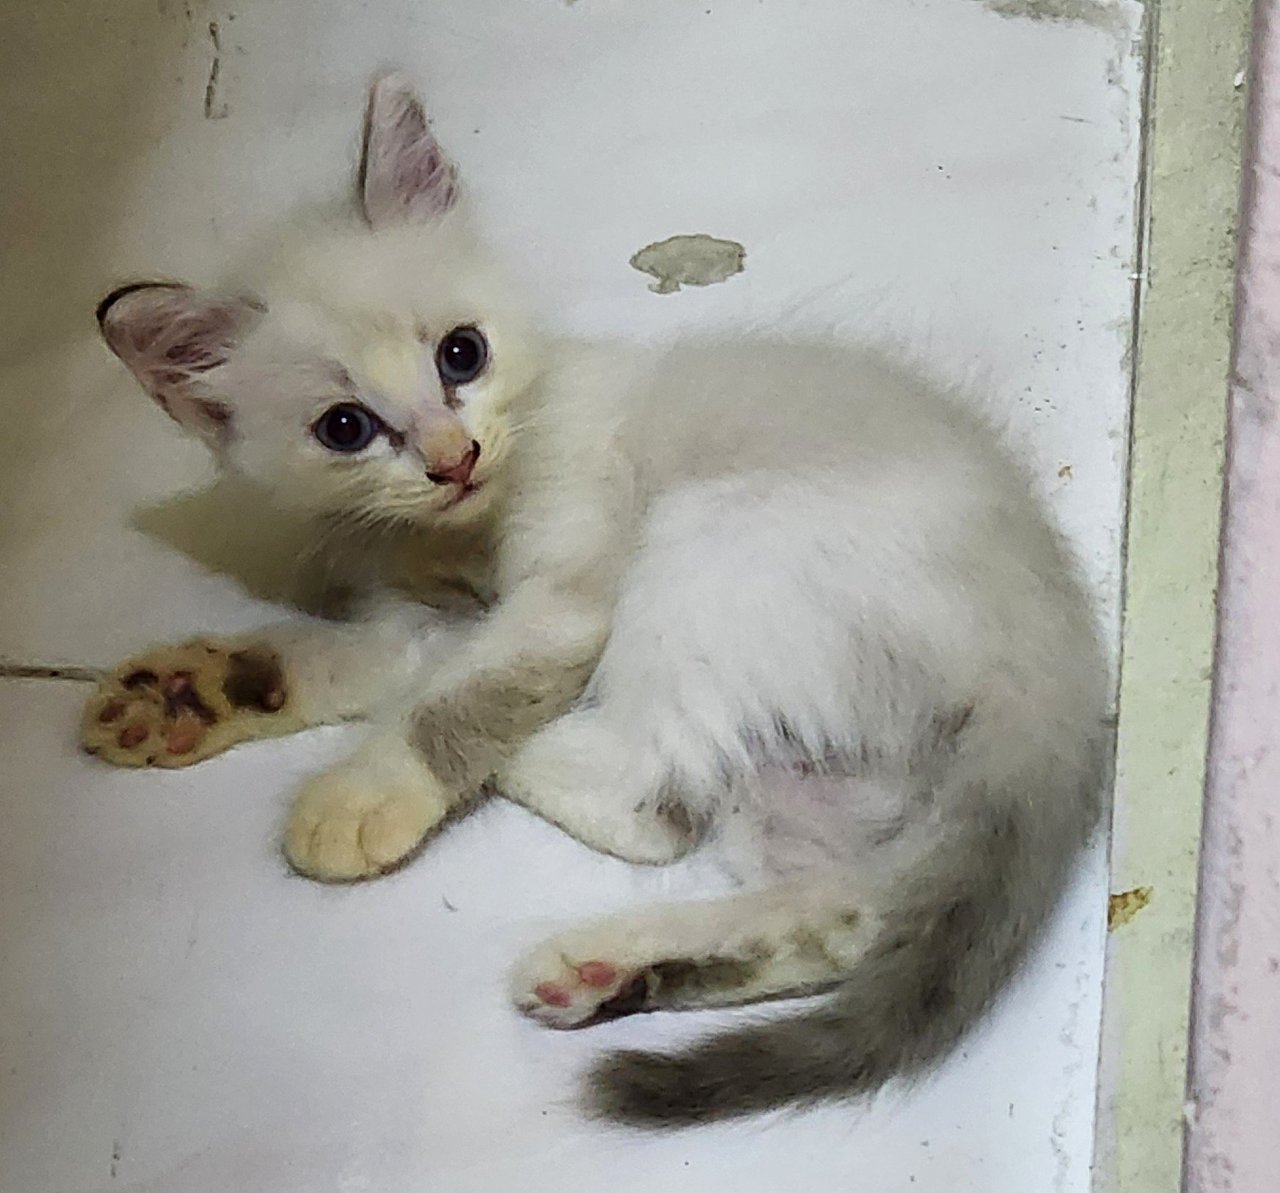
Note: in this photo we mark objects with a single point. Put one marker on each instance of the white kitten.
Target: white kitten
(775, 597)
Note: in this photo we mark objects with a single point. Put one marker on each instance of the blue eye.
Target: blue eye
(347, 427)
(462, 355)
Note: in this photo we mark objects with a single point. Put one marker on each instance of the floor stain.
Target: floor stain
(1098, 13)
(697, 260)
(1122, 907)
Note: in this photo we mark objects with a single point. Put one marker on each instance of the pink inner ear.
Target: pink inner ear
(424, 174)
(168, 336)
(197, 342)
(406, 173)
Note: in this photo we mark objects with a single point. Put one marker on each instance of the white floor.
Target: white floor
(177, 1014)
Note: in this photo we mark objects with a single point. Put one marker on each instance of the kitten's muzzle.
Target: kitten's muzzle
(458, 473)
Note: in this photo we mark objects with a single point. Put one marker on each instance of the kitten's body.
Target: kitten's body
(775, 597)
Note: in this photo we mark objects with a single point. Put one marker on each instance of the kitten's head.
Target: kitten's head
(374, 368)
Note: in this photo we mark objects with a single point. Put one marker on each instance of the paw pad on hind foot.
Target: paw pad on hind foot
(177, 705)
(599, 975)
(583, 993)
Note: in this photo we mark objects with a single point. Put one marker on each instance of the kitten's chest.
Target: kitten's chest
(453, 571)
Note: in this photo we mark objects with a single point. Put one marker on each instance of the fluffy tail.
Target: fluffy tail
(956, 928)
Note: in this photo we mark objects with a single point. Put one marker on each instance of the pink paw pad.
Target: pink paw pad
(553, 995)
(597, 974)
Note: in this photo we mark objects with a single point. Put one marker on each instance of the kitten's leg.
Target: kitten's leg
(368, 815)
(788, 941)
(583, 776)
(176, 705)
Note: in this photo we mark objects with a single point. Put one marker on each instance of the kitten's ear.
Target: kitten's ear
(170, 335)
(405, 176)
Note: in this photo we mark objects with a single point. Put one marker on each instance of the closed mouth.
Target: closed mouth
(462, 493)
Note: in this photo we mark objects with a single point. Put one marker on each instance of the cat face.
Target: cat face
(375, 368)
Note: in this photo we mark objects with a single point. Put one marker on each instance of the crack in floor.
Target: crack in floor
(41, 671)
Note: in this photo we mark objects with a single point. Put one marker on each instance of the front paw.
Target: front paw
(362, 819)
(177, 705)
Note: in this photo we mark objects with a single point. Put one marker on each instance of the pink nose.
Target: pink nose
(459, 473)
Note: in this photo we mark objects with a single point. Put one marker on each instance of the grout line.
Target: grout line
(40, 671)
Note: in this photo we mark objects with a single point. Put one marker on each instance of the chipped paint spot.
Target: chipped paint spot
(1064, 473)
(1122, 907)
(697, 260)
(1075, 12)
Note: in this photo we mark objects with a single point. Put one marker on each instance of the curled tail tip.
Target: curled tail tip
(646, 1090)
(726, 1077)
(653, 1090)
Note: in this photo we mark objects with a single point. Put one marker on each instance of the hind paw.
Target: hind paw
(558, 991)
(177, 705)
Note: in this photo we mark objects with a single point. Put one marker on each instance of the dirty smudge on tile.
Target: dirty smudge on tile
(1099, 13)
(697, 260)
(214, 107)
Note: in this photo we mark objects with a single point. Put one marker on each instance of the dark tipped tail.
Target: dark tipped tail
(956, 929)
